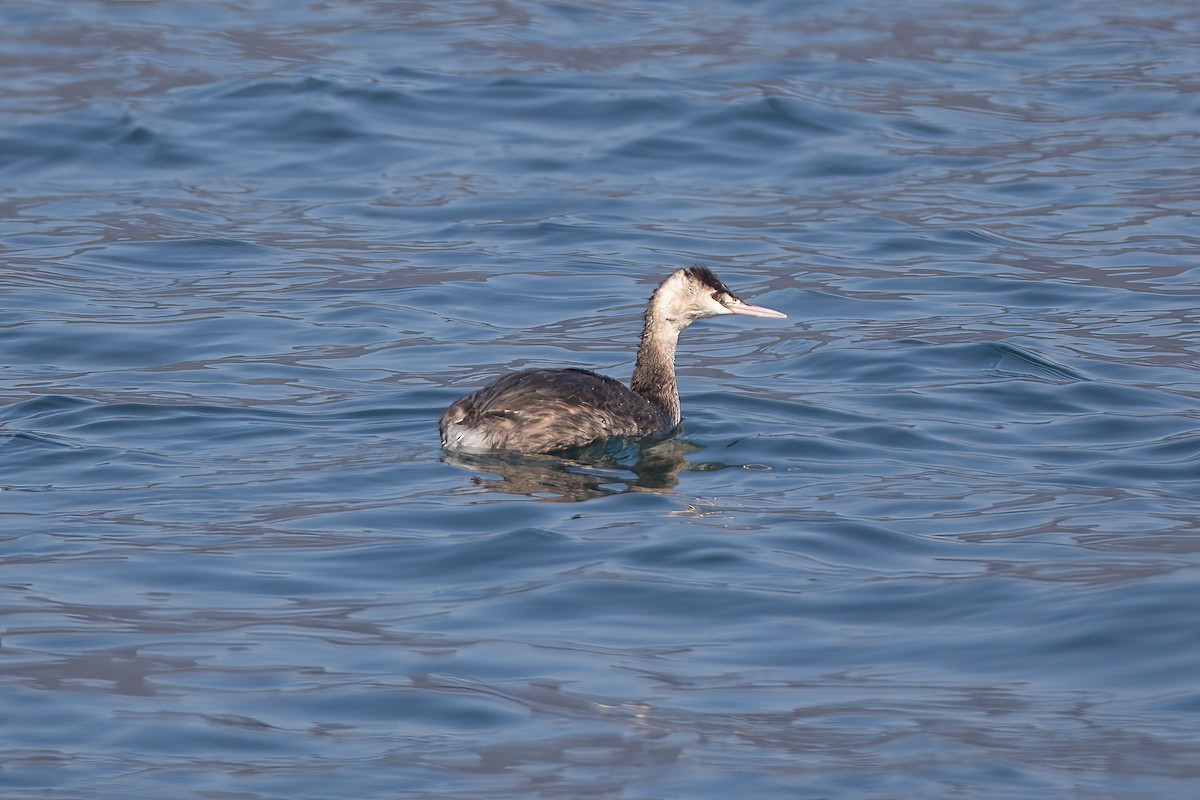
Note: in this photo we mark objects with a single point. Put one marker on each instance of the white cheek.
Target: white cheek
(712, 308)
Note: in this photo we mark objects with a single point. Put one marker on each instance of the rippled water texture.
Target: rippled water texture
(934, 535)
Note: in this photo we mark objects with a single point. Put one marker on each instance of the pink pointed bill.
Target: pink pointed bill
(755, 311)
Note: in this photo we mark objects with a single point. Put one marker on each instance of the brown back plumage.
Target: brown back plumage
(540, 410)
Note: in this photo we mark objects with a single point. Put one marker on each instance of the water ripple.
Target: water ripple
(933, 535)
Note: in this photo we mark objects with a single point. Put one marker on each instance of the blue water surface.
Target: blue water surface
(934, 535)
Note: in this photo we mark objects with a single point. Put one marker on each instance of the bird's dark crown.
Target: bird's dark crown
(707, 277)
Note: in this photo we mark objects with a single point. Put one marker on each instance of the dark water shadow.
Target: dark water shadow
(599, 470)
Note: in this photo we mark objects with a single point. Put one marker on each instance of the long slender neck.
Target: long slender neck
(654, 373)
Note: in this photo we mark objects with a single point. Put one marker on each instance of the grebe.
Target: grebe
(544, 410)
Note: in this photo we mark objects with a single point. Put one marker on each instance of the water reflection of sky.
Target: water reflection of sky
(935, 535)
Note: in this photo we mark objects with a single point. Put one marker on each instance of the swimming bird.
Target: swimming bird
(546, 410)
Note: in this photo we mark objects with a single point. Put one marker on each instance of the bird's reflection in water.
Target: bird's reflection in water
(581, 474)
